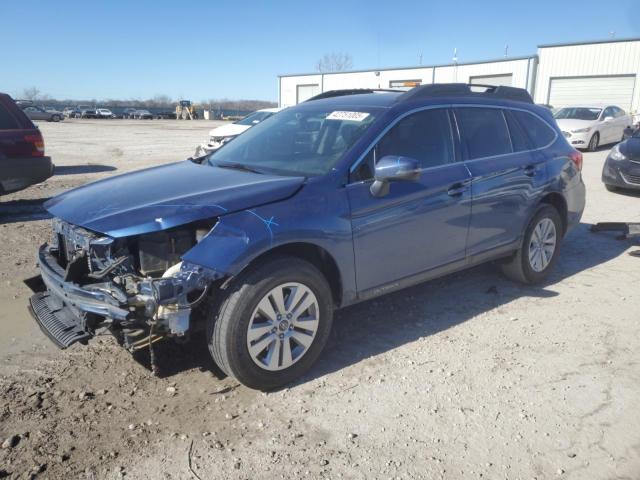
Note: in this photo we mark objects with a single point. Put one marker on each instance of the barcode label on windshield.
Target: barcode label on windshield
(353, 116)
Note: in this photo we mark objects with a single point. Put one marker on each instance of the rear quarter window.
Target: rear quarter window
(7, 120)
(484, 132)
(539, 133)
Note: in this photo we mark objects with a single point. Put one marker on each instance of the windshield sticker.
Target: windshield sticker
(353, 116)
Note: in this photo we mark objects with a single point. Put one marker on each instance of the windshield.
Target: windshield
(578, 113)
(296, 142)
(253, 118)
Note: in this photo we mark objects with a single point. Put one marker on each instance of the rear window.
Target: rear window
(484, 132)
(538, 131)
(7, 120)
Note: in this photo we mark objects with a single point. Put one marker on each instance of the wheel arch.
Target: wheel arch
(557, 201)
(312, 253)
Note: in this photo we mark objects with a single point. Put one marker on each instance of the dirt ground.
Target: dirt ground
(468, 376)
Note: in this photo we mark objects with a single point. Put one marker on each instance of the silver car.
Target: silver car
(40, 113)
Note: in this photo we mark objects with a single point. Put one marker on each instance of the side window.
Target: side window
(7, 122)
(483, 131)
(519, 138)
(538, 131)
(425, 136)
(618, 112)
(608, 112)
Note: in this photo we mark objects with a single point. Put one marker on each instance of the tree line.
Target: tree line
(158, 101)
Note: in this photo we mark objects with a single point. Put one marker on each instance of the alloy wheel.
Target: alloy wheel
(283, 326)
(542, 244)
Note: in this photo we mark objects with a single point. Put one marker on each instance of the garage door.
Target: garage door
(496, 80)
(305, 92)
(614, 90)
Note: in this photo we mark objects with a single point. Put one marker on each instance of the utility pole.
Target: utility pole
(420, 57)
(506, 50)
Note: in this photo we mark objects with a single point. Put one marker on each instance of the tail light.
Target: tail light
(38, 143)
(576, 157)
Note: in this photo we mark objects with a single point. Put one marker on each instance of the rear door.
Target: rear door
(419, 225)
(507, 174)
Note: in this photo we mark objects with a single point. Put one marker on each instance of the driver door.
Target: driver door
(419, 225)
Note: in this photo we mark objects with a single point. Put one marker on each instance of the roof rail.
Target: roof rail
(466, 89)
(349, 91)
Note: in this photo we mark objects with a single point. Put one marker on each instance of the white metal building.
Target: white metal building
(590, 73)
(559, 75)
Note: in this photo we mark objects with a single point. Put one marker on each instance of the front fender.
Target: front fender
(313, 217)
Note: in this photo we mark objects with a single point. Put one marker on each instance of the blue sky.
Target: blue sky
(235, 49)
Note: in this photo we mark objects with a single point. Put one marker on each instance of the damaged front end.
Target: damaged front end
(137, 287)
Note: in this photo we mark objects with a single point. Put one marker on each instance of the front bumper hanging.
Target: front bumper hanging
(68, 313)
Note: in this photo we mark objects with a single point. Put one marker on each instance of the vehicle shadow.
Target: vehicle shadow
(27, 210)
(370, 328)
(78, 169)
(627, 193)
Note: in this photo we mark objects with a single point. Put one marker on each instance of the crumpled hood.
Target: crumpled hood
(167, 196)
(570, 124)
(228, 130)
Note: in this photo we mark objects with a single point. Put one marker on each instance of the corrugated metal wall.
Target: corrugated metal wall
(598, 59)
(519, 68)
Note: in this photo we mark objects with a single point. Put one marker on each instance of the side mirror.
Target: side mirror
(608, 119)
(391, 168)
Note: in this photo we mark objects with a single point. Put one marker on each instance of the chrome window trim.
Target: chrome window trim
(453, 106)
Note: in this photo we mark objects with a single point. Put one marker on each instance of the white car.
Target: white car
(587, 127)
(221, 135)
(104, 113)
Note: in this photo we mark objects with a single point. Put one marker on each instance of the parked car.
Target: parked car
(129, 112)
(104, 113)
(41, 113)
(224, 134)
(622, 167)
(587, 127)
(143, 115)
(165, 115)
(87, 112)
(22, 159)
(326, 204)
(71, 112)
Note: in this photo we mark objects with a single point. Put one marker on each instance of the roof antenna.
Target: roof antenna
(455, 65)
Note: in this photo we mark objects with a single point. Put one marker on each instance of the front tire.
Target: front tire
(594, 142)
(611, 188)
(272, 324)
(539, 251)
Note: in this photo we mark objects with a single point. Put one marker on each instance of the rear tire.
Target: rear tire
(611, 188)
(594, 142)
(238, 328)
(535, 258)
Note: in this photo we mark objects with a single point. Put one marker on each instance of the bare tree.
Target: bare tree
(31, 93)
(334, 62)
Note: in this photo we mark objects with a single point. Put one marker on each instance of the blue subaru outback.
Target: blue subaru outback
(340, 199)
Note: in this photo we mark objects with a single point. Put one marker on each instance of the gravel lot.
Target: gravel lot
(468, 376)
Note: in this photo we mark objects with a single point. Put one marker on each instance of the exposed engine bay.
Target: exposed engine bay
(152, 292)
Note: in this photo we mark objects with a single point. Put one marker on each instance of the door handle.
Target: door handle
(457, 189)
(530, 170)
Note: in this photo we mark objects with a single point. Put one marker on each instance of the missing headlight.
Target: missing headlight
(161, 250)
